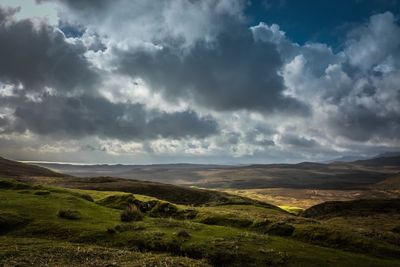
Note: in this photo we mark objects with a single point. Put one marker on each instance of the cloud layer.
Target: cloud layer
(192, 80)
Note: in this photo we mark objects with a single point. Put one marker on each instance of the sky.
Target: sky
(226, 82)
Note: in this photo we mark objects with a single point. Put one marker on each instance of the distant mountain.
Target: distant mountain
(380, 162)
(353, 158)
(347, 159)
(388, 154)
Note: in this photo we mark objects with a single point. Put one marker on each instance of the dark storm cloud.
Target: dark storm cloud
(36, 55)
(85, 116)
(4, 122)
(221, 67)
(361, 124)
(298, 141)
(234, 73)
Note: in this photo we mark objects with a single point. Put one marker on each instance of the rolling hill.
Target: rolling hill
(66, 220)
(337, 175)
(10, 168)
(174, 193)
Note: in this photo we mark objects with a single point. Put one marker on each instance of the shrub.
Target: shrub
(69, 214)
(183, 233)
(164, 209)
(117, 201)
(187, 214)
(281, 229)
(261, 225)
(131, 213)
(147, 205)
(111, 230)
(9, 184)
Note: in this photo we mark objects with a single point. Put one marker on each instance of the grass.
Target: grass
(17, 251)
(292, 209)
(220, 235)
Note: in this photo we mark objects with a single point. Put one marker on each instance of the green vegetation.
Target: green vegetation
(69, 214)
(177, 235)
(131, 214)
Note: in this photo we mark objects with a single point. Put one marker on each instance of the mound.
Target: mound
(171, 193)
(362, 207)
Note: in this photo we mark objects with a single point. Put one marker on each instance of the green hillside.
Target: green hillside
(49, 224)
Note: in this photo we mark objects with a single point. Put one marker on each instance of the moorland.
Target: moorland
(59, 218)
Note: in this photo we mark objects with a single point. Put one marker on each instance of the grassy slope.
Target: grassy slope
(20, 251)
(229, 243)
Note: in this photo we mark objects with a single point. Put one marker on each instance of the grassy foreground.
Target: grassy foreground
(32, 233)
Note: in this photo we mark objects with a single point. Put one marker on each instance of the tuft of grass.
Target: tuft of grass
(69, 214)
(131, 213)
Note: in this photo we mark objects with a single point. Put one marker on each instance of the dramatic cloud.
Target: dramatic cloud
(77, 117)
(235, 73)
(132, 22)
(192, 80)
(38, 56)
(50, 84)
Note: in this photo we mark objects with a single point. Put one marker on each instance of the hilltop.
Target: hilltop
(10, 168)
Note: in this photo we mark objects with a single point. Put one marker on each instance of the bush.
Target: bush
(262, 225)
(9, 184)
(117, 201)
(147, 205)
(164, 209)
(131, 213)
(69, 214)
(281, 229)
(187, 214)
(183, 233)
(111, 230)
